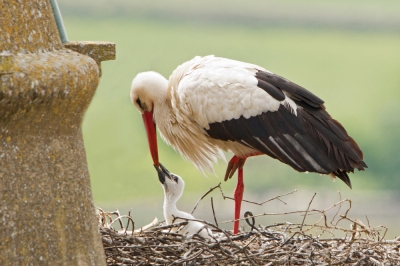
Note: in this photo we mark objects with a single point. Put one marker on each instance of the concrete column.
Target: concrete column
(47, 216)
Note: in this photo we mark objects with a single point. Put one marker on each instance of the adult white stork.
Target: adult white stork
(211, 104)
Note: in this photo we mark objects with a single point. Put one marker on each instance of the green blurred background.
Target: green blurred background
(348, 53)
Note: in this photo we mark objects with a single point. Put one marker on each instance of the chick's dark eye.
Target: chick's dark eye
(175, 178)
(139, 103)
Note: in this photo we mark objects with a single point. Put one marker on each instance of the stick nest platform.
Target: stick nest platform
(325, 241)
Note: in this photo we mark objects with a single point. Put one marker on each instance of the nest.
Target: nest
(305, 243)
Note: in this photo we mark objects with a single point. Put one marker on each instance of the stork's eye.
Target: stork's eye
(175, 178)
(139, 103)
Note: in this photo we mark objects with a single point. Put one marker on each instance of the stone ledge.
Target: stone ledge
(99, 51)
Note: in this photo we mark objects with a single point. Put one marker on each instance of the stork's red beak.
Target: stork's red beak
(151, 135)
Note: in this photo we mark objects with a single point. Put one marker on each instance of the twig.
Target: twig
(278, 198)
(338, 210)
(202, 197)
(305, 215)
(212, 207)
(253, 220)
(129, 220)
(258, 203)
(116, 212)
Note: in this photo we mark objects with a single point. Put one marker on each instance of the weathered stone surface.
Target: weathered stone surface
(27, 27)
(47, 215)
(47, 92)
(99, 51)
(6, 64)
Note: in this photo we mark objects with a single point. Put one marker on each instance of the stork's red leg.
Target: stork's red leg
(238, 196)
(237, 163)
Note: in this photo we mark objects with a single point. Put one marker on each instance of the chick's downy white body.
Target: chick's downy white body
(173, 186)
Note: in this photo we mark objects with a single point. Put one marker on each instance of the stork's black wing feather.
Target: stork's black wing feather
(293, 90)
(307, 141)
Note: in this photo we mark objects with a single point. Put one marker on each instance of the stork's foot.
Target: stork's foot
(235, 163)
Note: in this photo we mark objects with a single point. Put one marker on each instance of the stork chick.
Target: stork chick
(173, 186)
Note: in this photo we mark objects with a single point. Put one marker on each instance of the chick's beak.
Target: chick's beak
(162, 173)
(165, 170)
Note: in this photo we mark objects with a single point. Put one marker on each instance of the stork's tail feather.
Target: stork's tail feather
(343, 176)
(342, 149)
(361, 166)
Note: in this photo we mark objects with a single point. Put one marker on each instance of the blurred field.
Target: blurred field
(355, 14)
(355, 72)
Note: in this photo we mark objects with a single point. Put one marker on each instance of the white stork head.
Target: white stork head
(149, 89)
(173, 184)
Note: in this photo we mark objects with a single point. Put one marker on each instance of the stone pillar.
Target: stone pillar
(47, 216)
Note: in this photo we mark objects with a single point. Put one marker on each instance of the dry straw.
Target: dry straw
(316, 243)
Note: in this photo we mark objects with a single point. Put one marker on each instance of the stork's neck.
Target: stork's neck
(162, 112)
(165, 120)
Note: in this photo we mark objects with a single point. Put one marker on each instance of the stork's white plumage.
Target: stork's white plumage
(210, 104)
(173, 186)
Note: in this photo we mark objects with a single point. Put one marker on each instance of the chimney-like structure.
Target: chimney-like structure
(47, 216)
